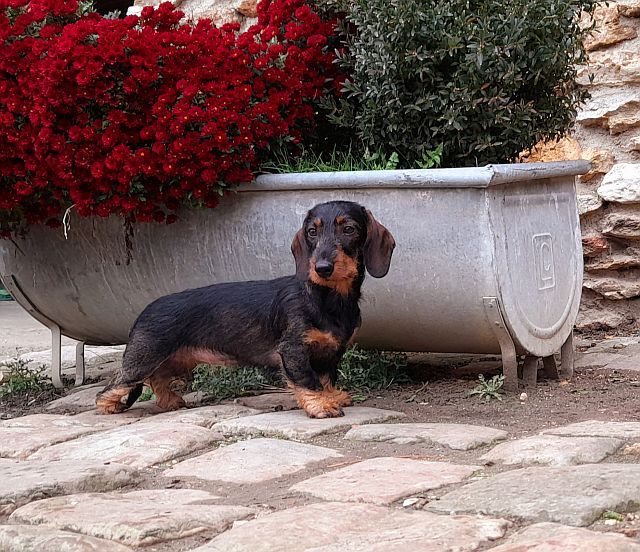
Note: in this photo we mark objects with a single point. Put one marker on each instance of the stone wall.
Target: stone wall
(607, 133)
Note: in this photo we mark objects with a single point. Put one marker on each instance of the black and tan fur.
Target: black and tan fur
(301, 324)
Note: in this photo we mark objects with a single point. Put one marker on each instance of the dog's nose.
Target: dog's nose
(324, 268)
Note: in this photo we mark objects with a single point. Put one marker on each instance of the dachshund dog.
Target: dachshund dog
(300, 324)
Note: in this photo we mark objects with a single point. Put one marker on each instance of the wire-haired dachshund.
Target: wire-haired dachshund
(301, 324)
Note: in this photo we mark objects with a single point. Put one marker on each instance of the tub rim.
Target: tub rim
(452, 178)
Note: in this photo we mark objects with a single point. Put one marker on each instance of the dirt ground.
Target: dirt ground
(441, 394)
(13, 406)
(591, 394)
(33, 402)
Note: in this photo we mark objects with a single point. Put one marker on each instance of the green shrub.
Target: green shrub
(147, 395)
(486, 80)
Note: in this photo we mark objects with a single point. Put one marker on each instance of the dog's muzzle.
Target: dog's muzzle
(324, 268)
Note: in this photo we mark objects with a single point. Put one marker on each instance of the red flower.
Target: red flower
(22, 188)
(141, 115)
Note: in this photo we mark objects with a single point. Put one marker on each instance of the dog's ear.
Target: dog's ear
(301, 255)
(378, 248)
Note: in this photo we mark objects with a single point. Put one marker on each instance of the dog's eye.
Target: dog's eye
(348, 229)
(312, 232)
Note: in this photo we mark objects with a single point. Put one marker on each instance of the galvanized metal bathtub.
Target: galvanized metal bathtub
(488, 260)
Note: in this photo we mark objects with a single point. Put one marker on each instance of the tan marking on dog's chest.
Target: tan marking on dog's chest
(318, 338)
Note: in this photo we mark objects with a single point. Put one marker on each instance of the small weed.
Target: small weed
(363, 371)
(489, 389)
(224, 383)
(610, 514)
(21, 380)
(147, 395)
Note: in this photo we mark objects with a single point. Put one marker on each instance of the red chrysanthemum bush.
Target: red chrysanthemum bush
(138, 116)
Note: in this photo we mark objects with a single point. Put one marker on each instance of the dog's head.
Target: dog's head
(337, 241)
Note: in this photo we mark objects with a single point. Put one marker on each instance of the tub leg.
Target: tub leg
(56, 335)
(80, 363)
(507, 347)
(567, 357)
(530, 371)
(56, 356)
(550, 368)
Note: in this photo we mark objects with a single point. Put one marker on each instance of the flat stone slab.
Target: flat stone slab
(24, 481)
(138, 518)
(270, 401)
(206, 416)
(552, 537)
(82, 399)
(340, 527)
(596, 428)
(553, 450)
(27, 538)
(629, 362)
(454, 436)
(589, 359)
(252, 461)
(101, 421)
(140, 445)
(624, 359)
(20, 437)
(573, 495)
(295, 424)
(383, 480)
(615, 344)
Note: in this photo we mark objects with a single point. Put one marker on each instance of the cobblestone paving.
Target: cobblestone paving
(239, 477)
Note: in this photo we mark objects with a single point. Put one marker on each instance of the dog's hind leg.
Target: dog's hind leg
(178, 368)
(166, 398)
(138, 363)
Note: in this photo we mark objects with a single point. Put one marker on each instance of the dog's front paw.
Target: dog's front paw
(320, 404)
(339, 397)
(342, 397)
(324, 410)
